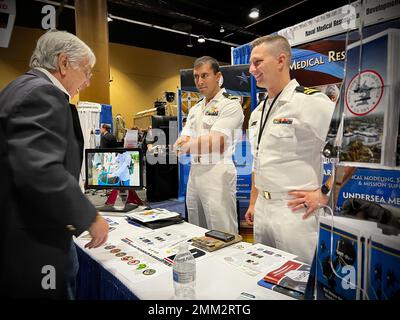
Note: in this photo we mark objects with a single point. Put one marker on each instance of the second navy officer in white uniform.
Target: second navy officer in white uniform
(213, 127)
(290, 129)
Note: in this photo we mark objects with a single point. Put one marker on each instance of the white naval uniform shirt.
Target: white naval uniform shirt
(254, 127)
(289, 154)
(219, 114)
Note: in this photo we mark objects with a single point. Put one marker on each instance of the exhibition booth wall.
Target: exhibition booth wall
(318, 60)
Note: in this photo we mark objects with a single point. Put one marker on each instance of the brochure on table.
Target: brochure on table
(152, 215)
(289, 278)
(259, 259)
(164, 243)
(160, 245)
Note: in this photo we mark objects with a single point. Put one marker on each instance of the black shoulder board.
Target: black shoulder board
(306, 90)
(227, 95)
(200, 99)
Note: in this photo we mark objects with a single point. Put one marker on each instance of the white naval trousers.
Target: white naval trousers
(275, 225)
(211, 196)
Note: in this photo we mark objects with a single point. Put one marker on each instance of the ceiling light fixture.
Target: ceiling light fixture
(222, 29)
(201, 39)
(254, 13)
(149, 25)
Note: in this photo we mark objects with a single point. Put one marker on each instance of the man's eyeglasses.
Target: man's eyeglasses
(86, 69)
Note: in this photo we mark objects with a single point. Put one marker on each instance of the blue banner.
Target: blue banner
(378, 186)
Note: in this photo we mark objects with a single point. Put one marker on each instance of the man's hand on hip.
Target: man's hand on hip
(309, 200)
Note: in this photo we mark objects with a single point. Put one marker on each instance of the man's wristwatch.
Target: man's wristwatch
(325, 189)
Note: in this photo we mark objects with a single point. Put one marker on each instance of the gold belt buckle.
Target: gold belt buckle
(267, 195)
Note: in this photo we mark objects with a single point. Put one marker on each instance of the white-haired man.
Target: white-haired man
(41, 148)
(290, 129)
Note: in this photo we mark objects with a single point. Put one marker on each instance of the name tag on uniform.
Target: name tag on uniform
(283, 121)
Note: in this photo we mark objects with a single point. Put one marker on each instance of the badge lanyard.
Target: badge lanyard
(262, 124)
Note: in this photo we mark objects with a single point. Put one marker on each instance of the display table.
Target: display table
(103, 276)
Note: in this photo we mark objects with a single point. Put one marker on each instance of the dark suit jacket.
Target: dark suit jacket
(107, 140)
(41, 204)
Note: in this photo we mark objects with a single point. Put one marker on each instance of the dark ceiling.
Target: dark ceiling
(203, 17)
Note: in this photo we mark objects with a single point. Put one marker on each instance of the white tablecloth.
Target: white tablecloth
(215, 279)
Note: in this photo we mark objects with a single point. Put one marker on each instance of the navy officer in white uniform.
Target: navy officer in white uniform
(288, 132)
(213, 127)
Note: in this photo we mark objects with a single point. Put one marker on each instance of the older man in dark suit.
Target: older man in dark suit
(41, 147)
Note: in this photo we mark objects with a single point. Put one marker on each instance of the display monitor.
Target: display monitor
(169, 125)
(118, 168)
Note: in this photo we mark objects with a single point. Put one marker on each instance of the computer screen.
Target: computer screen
(168, 125)
(114, 168)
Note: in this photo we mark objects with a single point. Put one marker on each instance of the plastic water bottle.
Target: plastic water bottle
(184, 274)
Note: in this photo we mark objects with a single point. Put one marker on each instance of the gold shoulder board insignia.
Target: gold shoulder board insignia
(306, 90)
(227, 95)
